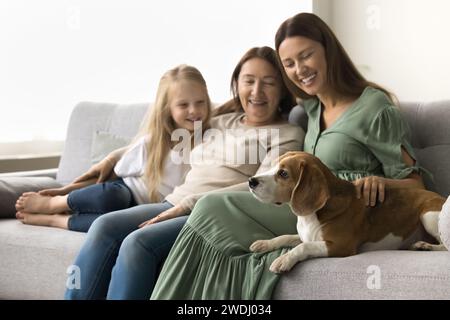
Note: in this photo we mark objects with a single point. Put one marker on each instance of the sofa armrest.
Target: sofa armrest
(51, 173)
(11, 187)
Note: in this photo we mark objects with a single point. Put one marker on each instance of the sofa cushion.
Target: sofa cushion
(11, 188)
(430, 137)
(393, 274)
(103, 143)
(34, 260)
(86, 119)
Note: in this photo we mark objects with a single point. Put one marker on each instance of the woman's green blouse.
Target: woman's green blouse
(365, 140)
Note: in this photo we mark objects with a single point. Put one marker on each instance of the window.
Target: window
(57, 53)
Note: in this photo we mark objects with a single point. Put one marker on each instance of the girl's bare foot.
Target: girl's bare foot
(33, 202)
(56, 220)
(19, 202)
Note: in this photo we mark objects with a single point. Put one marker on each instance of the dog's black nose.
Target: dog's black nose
(253, 182)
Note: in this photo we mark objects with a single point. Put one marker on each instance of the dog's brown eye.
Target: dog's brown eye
(283, 174)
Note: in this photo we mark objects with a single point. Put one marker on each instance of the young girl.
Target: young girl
(145, 172)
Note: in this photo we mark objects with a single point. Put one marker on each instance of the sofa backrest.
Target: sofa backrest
(87, 121)
(429, 123)
(430, 136)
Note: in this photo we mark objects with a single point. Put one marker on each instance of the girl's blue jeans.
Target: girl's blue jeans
(89, 203)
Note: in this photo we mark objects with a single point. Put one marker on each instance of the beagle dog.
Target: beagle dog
(333, 222)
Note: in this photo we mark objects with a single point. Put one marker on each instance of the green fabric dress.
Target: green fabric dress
(211, 259)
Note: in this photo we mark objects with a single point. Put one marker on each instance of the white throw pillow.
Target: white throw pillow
(103, 143)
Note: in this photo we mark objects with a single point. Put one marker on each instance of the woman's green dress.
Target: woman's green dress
(211, 258)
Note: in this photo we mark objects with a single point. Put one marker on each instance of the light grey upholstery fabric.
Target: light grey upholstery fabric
(34, 260)
(370, 275)
(103, 143)
(86, 120)
(430, 136)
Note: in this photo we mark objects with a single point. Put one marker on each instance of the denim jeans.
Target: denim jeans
(89, 203)
(121, 261)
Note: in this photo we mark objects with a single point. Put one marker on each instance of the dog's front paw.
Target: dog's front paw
(421, 246)
(261, 246)
(281, 264)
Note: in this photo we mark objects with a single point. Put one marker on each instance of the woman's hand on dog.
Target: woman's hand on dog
(173, 212)
(372, 188)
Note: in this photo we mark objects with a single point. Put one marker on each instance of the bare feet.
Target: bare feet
(19, 202)
(33, 202)
(55, 220)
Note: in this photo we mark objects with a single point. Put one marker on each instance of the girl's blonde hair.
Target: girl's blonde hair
(159, 125)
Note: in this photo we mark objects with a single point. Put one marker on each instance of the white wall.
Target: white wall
(401, 44)
(58, 52)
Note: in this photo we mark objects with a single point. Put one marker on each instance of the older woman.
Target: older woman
(354, 128)
(125, 249)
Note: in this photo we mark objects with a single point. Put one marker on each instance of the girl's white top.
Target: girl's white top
(132, 165)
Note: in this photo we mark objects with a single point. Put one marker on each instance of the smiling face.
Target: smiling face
(259, 91)
(304, 62)
(188, 103)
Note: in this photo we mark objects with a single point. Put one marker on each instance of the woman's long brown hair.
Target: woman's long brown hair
(342, 75)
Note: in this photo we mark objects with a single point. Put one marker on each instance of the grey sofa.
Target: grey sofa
(34, 260)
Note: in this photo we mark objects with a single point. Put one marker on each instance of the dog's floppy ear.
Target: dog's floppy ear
(311, 191)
